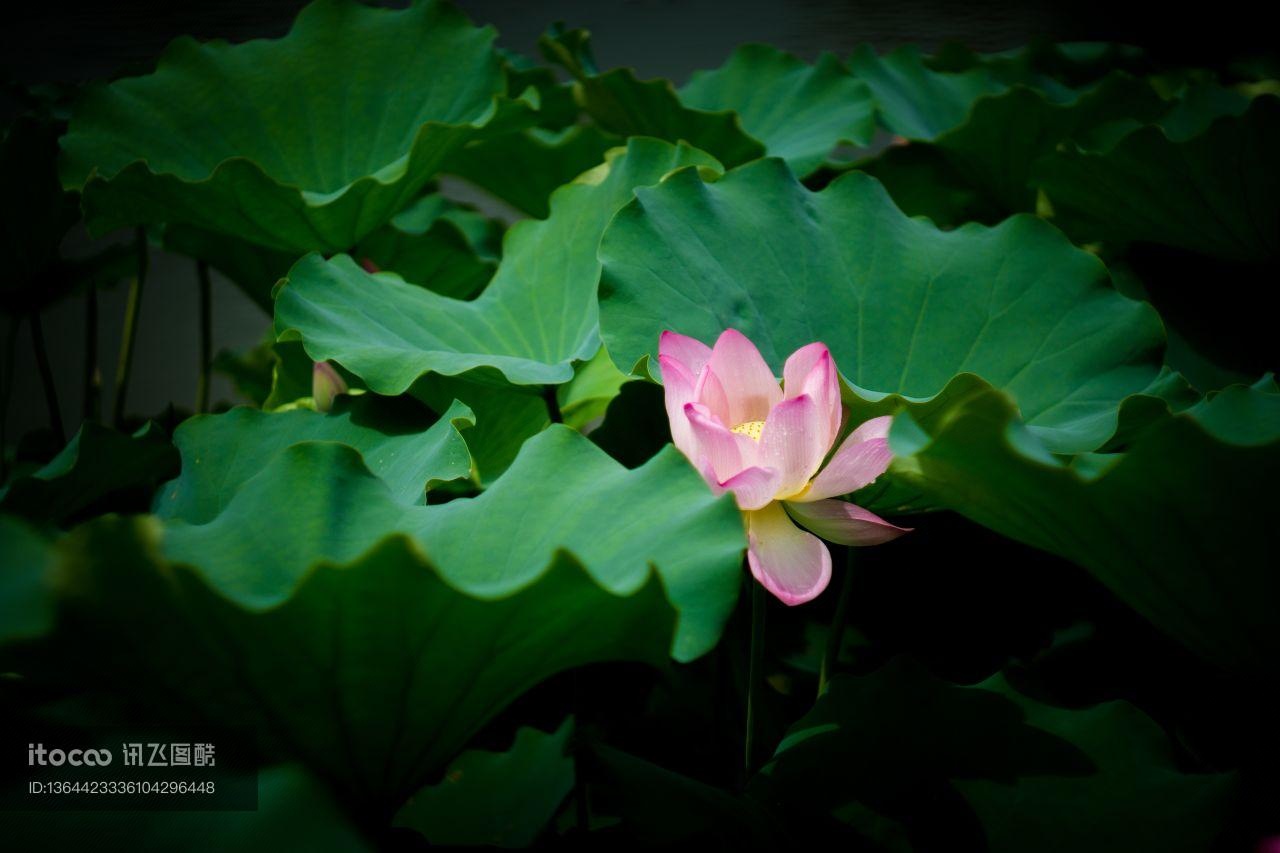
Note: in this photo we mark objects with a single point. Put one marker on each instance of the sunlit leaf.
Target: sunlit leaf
(798, 111)
(537, 316)
(903, 306)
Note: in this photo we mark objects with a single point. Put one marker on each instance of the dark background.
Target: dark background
(71, 41)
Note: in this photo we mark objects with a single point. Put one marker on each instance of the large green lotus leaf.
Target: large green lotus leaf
(403, 443)
(1030, 772)
(483, 235)
(1196, 107)
(430, 243)
(308, 142)
(1004, 135)
(622, 104)
(557, 108)
(619, 523)
(292, 375)
(535, 319)
(912, 99)
(923, 183)
(1177, 525)
(26, 601)
(979, 126)
(373, 671)
(903, 306)
(1213, 193)
(1042, 61)
(799, 111)
(99, 470)
(584, 398)
(506, 417)
(502, 799)
(523, 169)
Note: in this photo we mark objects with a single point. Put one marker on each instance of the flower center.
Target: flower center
(751, 429)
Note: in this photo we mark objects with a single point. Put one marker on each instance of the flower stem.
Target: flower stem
(831, 655)
(755, 674)
(206, 336)
(46, 377)
(125, 363)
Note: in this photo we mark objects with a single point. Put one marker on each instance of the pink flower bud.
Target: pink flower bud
(326, 384)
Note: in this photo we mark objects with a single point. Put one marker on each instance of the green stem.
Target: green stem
(125, 364)
(46, 377)
(91, 405)
(831, 655)
(755, 674)
(206, 336)
(6, 389)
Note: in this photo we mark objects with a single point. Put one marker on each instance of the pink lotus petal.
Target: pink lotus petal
(862, 457)
(710, 393)
(874, 428)
(845, 523)
(749, 384)
(691, 353)
(811, 370)
(794, 441)
(677, 390)
(752, 487)
(793, 565)
(726, 452)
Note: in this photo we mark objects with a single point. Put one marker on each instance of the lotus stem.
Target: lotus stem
(46, 377)
(125, 364)
(206, 336)
(755, 676)
(831, 655)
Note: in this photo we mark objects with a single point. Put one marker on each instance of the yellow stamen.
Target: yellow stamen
(751, 429)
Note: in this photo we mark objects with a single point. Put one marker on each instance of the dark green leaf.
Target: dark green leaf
(99, 469)
(622, 104)
(1213, 193)
(1177, 525)
(503, 799)
(523, 169)
(401, 442)
(321, 136)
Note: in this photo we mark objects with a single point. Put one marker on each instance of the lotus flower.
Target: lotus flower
(766, 443)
